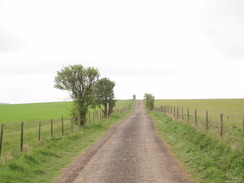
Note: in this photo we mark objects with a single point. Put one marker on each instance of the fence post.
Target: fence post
(207, 122)
(71, 123)
(182, 113)
(62, 126)
(89, 116)
(39, 133)
(1, 139)
(22, 136)
(243, 123)
(79, 119)
(51, 128)
(221, 125)
(195, 117)
(107, 116)
(188, 115)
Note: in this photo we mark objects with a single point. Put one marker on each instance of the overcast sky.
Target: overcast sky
(173, 49)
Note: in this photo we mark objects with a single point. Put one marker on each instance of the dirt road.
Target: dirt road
(131, 152)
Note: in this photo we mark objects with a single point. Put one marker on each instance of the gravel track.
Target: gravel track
(130, 152)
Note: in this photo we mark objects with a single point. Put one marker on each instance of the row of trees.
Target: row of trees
(86, 90)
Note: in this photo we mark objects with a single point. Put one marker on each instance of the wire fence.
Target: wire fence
(21, 136)
(228, 128)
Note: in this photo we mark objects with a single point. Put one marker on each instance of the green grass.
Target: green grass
(48, 111)
(36, 111)
(41, 111)
(232, 109)
(229, 107)
(209, 160)
(43, 163)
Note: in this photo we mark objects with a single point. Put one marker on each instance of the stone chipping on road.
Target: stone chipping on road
(130, 152)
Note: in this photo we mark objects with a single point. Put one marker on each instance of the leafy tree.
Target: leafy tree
(149, 100)
(134, 97)
(104, 94)
(79, 82)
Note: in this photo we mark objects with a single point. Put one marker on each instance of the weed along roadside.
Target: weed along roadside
(207, 158)
(42, 163)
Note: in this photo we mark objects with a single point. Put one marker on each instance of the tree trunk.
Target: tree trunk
(83, 118)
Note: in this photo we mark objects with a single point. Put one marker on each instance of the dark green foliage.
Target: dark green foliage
(16, 167)
(149, 98)
(104, 94)
(79, 81)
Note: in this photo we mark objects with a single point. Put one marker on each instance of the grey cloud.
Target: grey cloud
(221, 21)
(8, 42)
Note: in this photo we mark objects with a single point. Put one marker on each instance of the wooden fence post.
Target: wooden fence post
(39, 133)
(243, 123)
(89, 116)
(177, 112)
(207, 122)
(51, 128)
(188, 115)
(221, 125)
(1, 139)
(22, 136)
(71, 128)
(195, 117)
(182, 113)
(62, 126)
(79, 119)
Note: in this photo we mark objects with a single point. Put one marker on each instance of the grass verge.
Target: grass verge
(208, 160)
(42, 164)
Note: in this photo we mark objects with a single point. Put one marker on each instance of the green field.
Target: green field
(229, 107)
(45, 162)
(40, 111)
(232, 110)
(32, 114)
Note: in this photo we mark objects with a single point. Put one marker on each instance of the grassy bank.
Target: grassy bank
(43, 163)
(233, 117)
(208, 159)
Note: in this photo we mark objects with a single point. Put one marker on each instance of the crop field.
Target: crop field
(232, 110)
(39, 119)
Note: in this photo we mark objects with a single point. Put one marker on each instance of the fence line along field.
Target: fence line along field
(222, 118)
(41, 121)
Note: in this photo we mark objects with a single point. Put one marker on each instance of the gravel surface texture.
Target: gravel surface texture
(130, 152)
